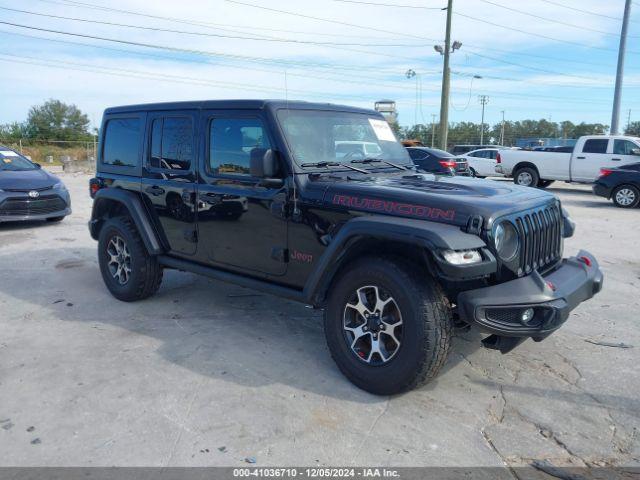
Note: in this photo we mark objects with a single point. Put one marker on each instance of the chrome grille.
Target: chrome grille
(540, 233)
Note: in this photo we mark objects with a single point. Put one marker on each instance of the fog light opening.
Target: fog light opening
(527, 315)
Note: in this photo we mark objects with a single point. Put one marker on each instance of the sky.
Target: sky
(552, 59)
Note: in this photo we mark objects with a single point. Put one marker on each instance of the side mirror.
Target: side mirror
(37, 165)
(635, 151)
(264, 165)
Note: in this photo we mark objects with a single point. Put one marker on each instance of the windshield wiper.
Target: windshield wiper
(377, 160)
(332, 164)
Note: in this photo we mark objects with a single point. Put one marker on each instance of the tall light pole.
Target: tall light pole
(433, 128)
(483, 99)
(502, 130)
(446, 73)
(615, 115)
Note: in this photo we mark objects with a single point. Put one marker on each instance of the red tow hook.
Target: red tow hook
(551, 286)
(585, 260)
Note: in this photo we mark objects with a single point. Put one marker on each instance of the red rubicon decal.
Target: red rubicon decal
(393, 207)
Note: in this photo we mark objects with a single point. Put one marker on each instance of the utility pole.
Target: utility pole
(483, 99)
(444, 100)
(615, 115)
(502, 129)
(629, 119)
(433, 128)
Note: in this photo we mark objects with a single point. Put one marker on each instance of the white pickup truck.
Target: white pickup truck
(591, 153)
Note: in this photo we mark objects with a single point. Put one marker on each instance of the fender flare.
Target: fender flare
(136, 210)
(431, 236)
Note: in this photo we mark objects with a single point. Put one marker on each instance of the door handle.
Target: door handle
(581, 158)
(154, 190)
(616, 159)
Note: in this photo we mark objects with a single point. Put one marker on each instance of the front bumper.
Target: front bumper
(18, 206)
(498, 309)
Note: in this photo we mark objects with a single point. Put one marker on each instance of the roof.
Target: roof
(237, 105)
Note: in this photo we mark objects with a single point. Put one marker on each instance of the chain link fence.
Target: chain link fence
(71, 155)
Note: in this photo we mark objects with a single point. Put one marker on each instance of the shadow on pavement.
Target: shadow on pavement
(211, 328)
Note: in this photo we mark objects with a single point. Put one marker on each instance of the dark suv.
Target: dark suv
(261, 194)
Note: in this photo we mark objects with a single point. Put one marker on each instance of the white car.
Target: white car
(482, 162)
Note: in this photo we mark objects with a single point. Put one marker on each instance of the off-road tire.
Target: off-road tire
(631, 193)
(544, 183)
(531, 172)
(146, 273)
(427, 326)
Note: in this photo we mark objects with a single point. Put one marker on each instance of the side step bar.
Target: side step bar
(241, 280)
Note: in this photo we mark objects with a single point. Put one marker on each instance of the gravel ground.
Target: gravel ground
(207, 374)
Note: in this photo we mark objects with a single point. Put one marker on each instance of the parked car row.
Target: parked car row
(610, 163)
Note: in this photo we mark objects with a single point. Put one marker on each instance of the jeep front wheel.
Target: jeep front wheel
(388, 327)
(128, 271)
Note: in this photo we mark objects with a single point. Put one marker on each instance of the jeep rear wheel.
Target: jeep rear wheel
(388, 328)
(128, 271)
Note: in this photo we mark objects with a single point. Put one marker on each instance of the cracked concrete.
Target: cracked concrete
(209, 374)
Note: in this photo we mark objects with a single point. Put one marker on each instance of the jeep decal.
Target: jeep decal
(405, 209)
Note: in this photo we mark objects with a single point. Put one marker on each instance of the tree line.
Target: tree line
(53, 121)
(469, 132)
(58, 121)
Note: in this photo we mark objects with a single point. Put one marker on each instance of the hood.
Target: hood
(26, 179)
(450, 200)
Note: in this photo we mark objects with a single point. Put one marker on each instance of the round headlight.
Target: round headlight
(506, 240)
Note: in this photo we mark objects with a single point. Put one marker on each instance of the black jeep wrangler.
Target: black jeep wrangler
(320, 204)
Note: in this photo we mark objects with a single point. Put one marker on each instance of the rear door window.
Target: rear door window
(122, 142)
(595, 145)
(171, 143)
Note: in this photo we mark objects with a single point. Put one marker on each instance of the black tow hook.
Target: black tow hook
(504, 344)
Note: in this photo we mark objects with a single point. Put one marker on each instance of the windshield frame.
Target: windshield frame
(33, 165)
(297, 164)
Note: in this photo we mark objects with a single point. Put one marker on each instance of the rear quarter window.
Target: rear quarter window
(122, 142)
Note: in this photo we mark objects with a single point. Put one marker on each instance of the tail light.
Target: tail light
(448, 163)
(498, 158)
(95, 184)
(605, 172)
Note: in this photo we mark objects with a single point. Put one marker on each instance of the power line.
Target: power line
(214, 26)
(328, 20)
(529, 67)
(553, 20)
(539, 35)
(264, 60)
(211, 25)
(588, 12)
(164, 77)
(147, 45)
(218, 35)
(395, 5)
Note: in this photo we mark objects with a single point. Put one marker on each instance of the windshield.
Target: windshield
(316, 136)
(10, 160)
